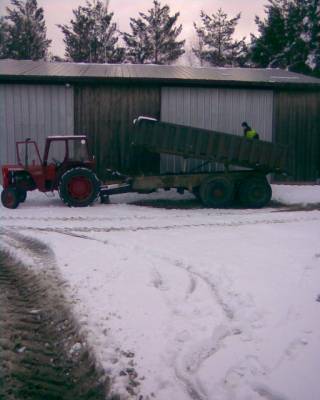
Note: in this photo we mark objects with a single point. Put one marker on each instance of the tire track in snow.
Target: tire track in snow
(80, 219)
(62, 231)
(227, 310)
(266, 393)
(217, 212)
(192, 286)
(36, 249)
(157, 280)
(187, 366)
(189, 361)
(165, 227)
(186, 369)
(297, 344)
(43, 355)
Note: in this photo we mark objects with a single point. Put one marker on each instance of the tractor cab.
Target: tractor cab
(66, 150)
(58, 150)
(61, 154)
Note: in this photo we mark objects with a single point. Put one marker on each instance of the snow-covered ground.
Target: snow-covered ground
(301, 194)
(202, 304)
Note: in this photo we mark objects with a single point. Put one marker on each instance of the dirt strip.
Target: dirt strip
(42, 354)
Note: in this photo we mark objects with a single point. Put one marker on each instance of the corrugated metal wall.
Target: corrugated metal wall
(297, 124)
(219, 109)
(34, 111)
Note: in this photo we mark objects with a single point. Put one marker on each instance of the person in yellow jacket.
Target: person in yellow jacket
(248, 132)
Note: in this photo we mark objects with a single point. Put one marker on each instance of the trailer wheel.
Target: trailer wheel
(217, 192)
(10, 198)
(79, 187)
(196, 192)
(255, 192)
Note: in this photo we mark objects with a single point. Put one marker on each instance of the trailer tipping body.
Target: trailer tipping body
(203, 144)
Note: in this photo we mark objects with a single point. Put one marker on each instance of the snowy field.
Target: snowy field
(188, 303)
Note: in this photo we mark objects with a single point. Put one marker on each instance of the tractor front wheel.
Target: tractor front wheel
(10, 198)
(79, 187)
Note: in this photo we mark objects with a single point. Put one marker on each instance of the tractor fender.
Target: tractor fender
(65, 168)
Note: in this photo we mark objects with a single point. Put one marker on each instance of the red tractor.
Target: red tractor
(67, 166)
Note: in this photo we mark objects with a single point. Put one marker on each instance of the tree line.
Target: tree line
(288, 36)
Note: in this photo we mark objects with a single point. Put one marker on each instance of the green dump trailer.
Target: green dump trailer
(248, 186)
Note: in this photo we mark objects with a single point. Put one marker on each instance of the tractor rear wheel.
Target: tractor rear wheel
(22, 195)
(255, 192)
(79, 187)
(10, 198)
(217, 192)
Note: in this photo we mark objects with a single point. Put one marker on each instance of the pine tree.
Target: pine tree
(311, 36)
(266, 49)
(289, 36)
(4, 36)
(92, 36)
(154, 37)
(138, 44)
(218, 46)
(26, 31)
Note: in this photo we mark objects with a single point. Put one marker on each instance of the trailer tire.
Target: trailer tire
(255, 192)
(10, 198)
(79, 187)
(196, 192)
(217, 192)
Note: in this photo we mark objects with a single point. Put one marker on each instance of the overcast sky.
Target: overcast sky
(60, 12)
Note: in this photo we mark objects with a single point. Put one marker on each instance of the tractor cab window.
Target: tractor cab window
(28, 154)
(57, 152)
(78, 150)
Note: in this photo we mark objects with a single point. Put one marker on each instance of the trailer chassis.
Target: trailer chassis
(216, 189)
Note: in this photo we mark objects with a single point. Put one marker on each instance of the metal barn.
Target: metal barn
(39, 99)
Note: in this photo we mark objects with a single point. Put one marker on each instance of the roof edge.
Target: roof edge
(160, 81)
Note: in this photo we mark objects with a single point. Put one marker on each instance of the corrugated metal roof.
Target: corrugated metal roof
(40, 70)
